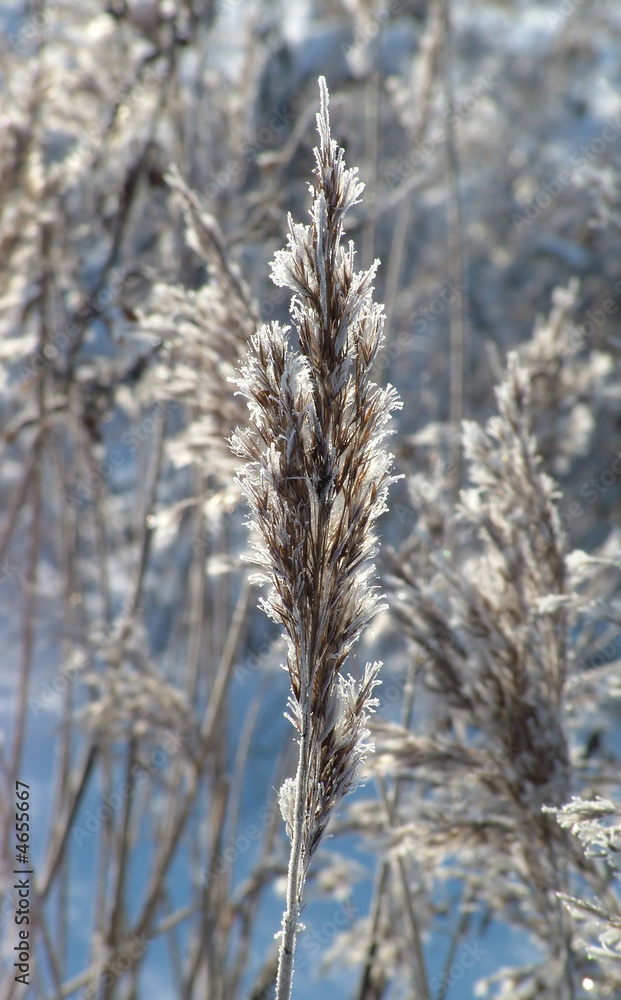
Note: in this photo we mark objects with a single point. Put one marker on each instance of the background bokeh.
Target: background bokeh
(134, 656)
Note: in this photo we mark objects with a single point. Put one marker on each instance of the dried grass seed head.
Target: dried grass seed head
(317, 474)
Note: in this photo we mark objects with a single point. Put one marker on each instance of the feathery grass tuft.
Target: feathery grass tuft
(316, 479)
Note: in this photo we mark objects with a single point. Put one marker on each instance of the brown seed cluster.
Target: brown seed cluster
(316, 478)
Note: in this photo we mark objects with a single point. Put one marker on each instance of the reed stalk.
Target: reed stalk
(316, 479)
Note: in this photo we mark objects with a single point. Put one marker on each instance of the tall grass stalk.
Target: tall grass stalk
(316, 479)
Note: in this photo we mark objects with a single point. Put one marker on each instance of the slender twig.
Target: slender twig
(458, 306)
(425, 78)
(371, 105)
(461, 927)
(196, 601)
(19, 496)
(169, 840)
(382, 881)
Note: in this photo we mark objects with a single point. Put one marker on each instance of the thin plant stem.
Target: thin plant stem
(295, 875)
(458, 307)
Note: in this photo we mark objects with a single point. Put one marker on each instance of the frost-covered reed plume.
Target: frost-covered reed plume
(316, 478)
(498, 622)
(597, 825)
